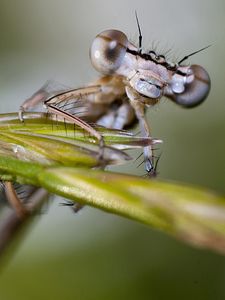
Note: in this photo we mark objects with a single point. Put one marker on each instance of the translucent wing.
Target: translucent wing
(49, 89)
(77, 101)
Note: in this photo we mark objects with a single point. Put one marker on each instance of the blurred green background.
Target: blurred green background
(94, 255)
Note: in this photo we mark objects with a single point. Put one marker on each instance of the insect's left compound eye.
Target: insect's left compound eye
(108, 50)
(195, 89)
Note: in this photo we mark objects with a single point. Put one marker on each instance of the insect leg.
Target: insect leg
(139, 109)
(54, 102)
(14, 200)
(76, 207)
(118, 117)
(72, 118)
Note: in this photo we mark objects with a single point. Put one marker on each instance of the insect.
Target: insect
(131, 81)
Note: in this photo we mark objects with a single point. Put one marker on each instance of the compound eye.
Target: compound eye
(196, 87)
(108, 50)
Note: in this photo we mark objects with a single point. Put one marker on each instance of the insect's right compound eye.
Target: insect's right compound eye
(108, 50)
(196, 89)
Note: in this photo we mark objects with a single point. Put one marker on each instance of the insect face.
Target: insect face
(149, 74)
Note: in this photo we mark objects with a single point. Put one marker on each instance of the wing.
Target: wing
(49, 89)
(79, 101)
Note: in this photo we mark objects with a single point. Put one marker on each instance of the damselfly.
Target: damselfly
(132, 81)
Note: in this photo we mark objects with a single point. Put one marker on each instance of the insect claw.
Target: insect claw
(149, 165)
(76, 207)
(153, 173)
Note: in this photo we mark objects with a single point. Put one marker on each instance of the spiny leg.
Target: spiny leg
(77, 121)
(54, 105)
(148, 151)
(139, 109)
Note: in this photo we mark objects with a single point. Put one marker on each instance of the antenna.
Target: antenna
(140, 35)
(193, 53)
